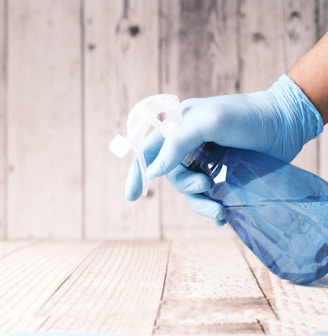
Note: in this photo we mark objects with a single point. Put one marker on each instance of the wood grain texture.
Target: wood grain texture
(44, 119)
(71, 70)
(198, 59)
(121, 68)
(207, 57)
(300, 310)
(2, 118)
(261, 52)
(9, 247)
(212, 286)
(29, 278)
(116, 290)
(272, 37)
(323, 139)
(210, 290)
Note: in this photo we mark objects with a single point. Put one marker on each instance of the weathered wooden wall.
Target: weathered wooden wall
(71, 70)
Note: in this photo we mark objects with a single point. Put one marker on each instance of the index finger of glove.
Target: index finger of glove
(175, 148)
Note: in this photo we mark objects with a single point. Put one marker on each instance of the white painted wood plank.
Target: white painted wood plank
(300, 310)
(2, 119)
(29, 278)
(44, 117)
(121, 68)
(271, 39)
(8, 246)
(116, 290)
(199, 59)
(323, 154)
(199, 50)
(323, 139)
(322, 9)
(211, 290)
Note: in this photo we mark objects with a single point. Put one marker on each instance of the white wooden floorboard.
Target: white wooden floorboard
(300, 310)
(210, 289)
(212, 286)
(117, 289)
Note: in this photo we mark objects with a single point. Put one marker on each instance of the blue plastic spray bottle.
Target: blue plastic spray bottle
(278, 210)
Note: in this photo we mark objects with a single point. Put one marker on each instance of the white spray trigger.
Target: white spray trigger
(142, 116)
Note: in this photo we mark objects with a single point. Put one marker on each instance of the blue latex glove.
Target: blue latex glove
(278, 122)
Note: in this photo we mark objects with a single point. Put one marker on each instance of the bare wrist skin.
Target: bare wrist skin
(310, 73)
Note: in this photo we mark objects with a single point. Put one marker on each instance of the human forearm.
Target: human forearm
(310, 73)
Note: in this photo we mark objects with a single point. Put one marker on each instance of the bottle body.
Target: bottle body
(278, 210)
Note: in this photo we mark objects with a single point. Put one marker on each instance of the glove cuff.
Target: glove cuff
(302, 120)
(312, 115)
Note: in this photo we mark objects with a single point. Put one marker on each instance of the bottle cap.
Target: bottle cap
(144, 115)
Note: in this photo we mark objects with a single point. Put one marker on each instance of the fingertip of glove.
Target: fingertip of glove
(219, 222)
(220, 218)
(131, 196)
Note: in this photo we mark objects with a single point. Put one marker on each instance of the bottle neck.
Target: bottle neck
(207, 159)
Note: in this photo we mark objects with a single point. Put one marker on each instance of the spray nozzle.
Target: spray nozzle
(142, 116)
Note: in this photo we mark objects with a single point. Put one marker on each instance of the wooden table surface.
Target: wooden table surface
(151, 287)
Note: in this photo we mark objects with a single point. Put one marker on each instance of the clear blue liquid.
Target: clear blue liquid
(279, 211)
(289, 238)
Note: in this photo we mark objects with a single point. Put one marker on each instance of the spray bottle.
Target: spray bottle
(278, 210)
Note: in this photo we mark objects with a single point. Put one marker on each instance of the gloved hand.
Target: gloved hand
(278, 122)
